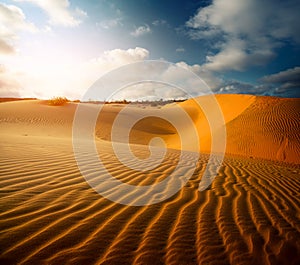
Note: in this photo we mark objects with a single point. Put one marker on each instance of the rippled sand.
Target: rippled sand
(249, 214)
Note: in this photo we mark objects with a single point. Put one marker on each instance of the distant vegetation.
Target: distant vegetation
(58, 101)
(152, 103)
(147, 102)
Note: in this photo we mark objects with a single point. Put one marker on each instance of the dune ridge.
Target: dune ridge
(250, 214)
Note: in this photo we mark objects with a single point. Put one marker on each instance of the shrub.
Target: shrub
(58, 101)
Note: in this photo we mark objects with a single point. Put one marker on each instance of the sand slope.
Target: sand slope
(249, 215)
(263, 127)
(268, 128)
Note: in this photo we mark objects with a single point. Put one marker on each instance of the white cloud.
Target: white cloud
(59, 12)
(110, 23)
(173, 81)
(6, 47)
(12, 21)
(286, 82)
(289, 75)
(207, 76)
(180, 50)
(149, 91)
(235, 55)
(43, 77)
(249, 31)
(153, 80)
(142, 30)
(118, 57)
(9, 87)
(237, 87)
(159, 22)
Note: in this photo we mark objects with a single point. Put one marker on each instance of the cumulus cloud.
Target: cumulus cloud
(181, 84)
(118, 57)
(285, 82)
(235, 55)
(45, 79)
(81, 77)
(59, 12)
(246, 32)
(88, 72)
(154, 80)
(289, 75)
(237, 87)
(12, 21)
(175, 81)
(33, 77)
(211, 80)
(141, 30)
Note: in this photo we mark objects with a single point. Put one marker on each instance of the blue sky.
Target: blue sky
(61, 47)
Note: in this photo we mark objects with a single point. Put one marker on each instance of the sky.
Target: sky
(62, 47)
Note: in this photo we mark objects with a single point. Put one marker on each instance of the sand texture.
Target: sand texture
(250, 214)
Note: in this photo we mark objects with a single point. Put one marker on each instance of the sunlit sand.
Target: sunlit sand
(249, 214)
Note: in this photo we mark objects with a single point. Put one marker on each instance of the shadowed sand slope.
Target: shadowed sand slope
(250, 214)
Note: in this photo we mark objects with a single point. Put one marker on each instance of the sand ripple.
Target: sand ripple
(49, 214)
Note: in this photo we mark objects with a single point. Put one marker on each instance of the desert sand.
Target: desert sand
(250, 214)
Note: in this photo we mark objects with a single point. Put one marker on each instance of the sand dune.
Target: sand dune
(249, 215)
(263, 127)
(269, 128)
